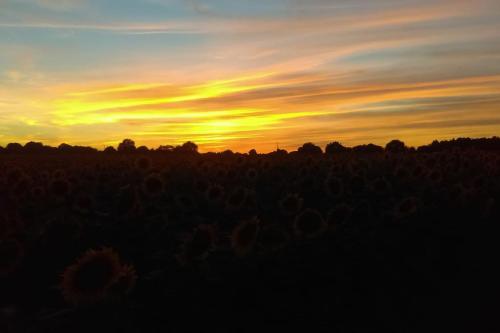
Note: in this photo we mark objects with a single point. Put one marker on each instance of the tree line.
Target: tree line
(309, 148)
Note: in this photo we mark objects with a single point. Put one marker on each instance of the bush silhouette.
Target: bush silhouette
(396, 146)
(127, 146)
(310, 149)
(335, 148)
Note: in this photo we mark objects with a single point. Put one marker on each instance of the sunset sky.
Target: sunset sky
(240, 74)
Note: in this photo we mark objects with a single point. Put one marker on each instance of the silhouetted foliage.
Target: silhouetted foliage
(14, 147)
(368, 149)
(33, 147)
(279, 152)
(309, 149)
(127, 146)
(227, 153)
(142, 149)
(165, 148)
(187, 148)
(462, 144)
(110, 150)
(335, 148)
(396, 146)
(65, 148)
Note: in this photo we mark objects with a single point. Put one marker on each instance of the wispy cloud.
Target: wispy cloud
(116, 28)
(238, 75)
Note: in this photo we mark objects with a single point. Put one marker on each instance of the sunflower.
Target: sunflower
(334, 186)
(236, 199)
(184, 203)
(406, 208)
(60, 187)
(215, 193)
(59, 174)
(90, 279)
(291, 204)
(244, 236)
(201, 185)
(143, 163)
(83, 203)
(153, 185)
(37, 193)
(381, 186)
(251, 174)
(127, 200)
(272, 238)
(309, 224)
(339, 216)
(124, 282)
(199, 244)
(14, 175)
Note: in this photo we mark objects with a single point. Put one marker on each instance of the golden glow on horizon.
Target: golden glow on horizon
(253, 107)
(314, 71)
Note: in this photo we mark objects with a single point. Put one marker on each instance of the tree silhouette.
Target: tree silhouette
(310, 149)
(65, 148)
(368, 149)
(227, 153)
(127, 146)
(142, 149)
(14, 147)
(335, 148)
(165, 148)
(33, 147)
(110, 150)
(188, 147)
(396, 146)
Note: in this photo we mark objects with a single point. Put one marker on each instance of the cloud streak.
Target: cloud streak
(248, 75)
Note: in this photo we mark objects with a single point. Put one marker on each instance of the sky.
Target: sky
(242, 74)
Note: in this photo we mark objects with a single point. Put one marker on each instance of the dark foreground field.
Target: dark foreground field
(166, 241)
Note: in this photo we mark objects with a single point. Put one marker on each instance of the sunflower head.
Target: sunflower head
(236, 199)
(60, 187)
(126, 200)
(406, 208)
(334, 186)
(59, 174)
(143, 163)
(84, 203)
(199, 244)
(435, 177)
(37, 193)
(251, 174)
(291, 204)
(339, 216)
(381, 186)
(14, 175)
(153, 185)
(124, 282)
(215, 193)
(309, 224)
(244, 236)
(184, 203)
(92, 277)
(272, 239)
(201, 185)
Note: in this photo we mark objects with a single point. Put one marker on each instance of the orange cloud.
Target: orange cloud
(265, 108)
